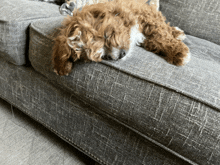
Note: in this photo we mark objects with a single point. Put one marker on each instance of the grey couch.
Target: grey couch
(141, 110)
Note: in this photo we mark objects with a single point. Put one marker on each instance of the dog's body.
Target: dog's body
(105, 29)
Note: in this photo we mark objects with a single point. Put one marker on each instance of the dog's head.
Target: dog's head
(86, 44)
(77, 40)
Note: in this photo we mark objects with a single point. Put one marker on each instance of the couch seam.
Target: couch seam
(101, 112)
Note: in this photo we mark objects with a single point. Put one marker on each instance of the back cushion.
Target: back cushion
(15, 18)
(200, 18)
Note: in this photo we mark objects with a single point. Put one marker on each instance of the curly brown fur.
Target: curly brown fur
(104, 28)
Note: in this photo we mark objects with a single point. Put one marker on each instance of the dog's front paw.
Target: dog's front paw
(180, 59)
(63, 70)
(182, 35)
(186, 59)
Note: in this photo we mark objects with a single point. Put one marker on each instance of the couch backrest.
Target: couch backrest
(15, 18)
(200, 18)
(58, 2)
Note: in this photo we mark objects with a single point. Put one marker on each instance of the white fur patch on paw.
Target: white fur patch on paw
(155, 2)
(56, 71)
(187, 58)
(182, 36)
(177, 28)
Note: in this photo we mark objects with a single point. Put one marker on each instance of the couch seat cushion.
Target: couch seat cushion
(195, 17)
(15, 17)
(178, 108)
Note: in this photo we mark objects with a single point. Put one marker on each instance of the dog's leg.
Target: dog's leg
(61, 57)
(62, 67)
(163, 39)
(173, 50)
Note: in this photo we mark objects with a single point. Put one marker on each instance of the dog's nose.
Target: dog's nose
(106, 57)
(122, 53)
(110, 56)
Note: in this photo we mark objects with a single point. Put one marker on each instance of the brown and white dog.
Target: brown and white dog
(105, 29)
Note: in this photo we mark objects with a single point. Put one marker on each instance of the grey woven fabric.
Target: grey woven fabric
(77, 122)
(177, 107)
(199, 18)
(58, 2)
(26, 142)
(15, 17)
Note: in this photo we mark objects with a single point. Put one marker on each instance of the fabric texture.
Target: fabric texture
(15, 17)
(77, 122)
(58, 2)
(24, 141)
(175, 107)
(199, 18)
